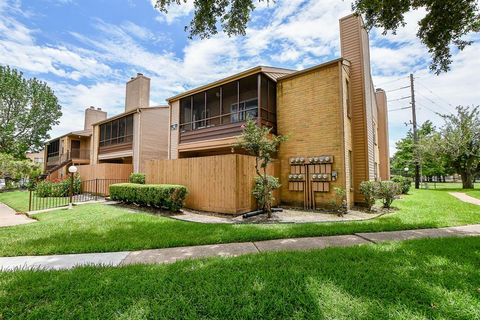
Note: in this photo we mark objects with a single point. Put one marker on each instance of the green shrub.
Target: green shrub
(387, 192)
(404, 183)
(339, 204)
(369, 191)
(171, 197)
(58, 188)
(138, 178)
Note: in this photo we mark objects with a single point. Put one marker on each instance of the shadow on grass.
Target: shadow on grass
(435, 278)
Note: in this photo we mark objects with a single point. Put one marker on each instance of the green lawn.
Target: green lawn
(474, 193)
(17, 200)
(100, 228)
(420, 279)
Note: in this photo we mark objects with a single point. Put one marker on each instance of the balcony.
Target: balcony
(75, 155)
(116, 135)
(221, 111)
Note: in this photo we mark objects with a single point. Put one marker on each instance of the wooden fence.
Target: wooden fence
(97, 178)
(217, 183)
(105, 171)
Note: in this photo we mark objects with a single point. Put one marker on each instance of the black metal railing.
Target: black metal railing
(57, 195)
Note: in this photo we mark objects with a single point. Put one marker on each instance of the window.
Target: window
(117, 131)
(213, 107)
(229, 97)
(349, 106)
(248, 109)
(248, 100)
(350, 168)
(199, 112)
(186, 114)
(53, 149)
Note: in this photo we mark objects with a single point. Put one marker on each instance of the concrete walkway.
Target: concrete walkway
(465, 198)
(8, 217)
(170, 255)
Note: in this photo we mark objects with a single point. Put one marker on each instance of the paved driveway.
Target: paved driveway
(8, 217)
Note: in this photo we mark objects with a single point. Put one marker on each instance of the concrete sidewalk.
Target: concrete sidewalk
(8, 217)
(465, 198)
(170, 255)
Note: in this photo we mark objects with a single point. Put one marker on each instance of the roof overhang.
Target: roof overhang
(271, 72)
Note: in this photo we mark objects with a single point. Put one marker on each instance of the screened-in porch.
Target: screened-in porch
(220, 111)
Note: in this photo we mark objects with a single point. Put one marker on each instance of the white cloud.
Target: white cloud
(137, 31)
(75, 98)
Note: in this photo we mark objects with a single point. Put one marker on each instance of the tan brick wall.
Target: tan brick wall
(310, 111)
(347, 123)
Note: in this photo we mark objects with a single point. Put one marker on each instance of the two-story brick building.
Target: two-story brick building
(335, 119)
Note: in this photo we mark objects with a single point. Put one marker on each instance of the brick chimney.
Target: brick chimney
(93, 115)
(354, 47)
(383, 143)
(137, 93)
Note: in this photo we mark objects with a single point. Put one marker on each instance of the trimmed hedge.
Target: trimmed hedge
(137, 178)
(171, 197)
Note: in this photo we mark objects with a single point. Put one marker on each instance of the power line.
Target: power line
(402, 98)
(425, 97)
(430, 90)
(431, 110)
(406, 87)
(391, 81)
(398, 109)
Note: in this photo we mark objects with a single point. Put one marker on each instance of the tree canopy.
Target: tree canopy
(433, 164)
(460, 142)
(453, 148)
(28, 110)
(13, 170)
(446, 23)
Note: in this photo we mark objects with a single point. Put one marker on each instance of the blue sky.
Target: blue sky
(86, 50)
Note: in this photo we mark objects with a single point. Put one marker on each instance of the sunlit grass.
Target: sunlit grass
(100, 228)
(420, 279)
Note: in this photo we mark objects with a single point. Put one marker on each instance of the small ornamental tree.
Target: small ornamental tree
(369, 190)
(388, 191)
(260, 143)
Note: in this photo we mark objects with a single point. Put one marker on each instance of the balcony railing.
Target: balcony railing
(74, 154)
(224, 125)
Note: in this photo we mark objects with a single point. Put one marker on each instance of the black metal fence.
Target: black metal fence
(57, 195)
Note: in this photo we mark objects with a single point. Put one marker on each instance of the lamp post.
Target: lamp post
(72, 170)
(406, 171)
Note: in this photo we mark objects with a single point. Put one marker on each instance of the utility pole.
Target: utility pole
(415, 136)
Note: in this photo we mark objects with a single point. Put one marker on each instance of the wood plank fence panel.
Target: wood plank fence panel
(105, 171)
(216, 183)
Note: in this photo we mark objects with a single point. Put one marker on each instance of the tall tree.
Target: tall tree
(460, 142)
(446, 22)
(432, 162)
(28, 110)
